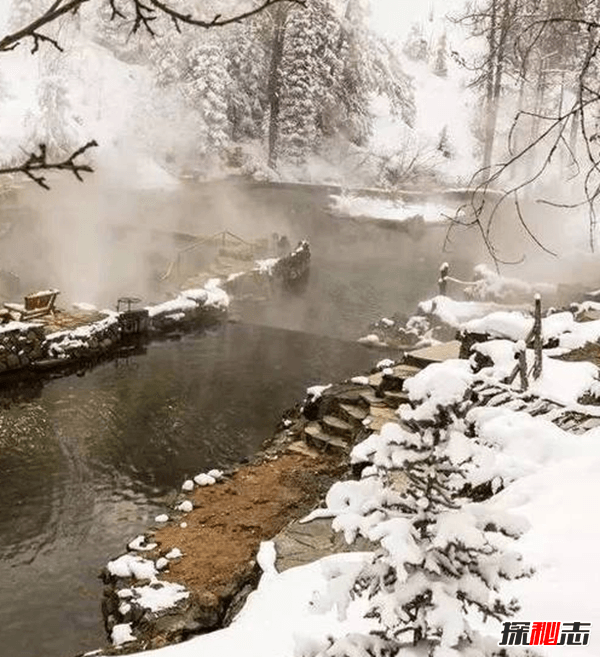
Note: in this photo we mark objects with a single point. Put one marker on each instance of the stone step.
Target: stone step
(590, 423)
(315, 436)
(515, 405)
(376, 379)
(336, 426)
(395, 399)
(436, 354)
(352, 414)
(384, 412)
(500, 398)
(352, 396)
(405, 371)
(369, 398)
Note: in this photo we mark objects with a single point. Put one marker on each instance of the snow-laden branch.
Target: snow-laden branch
(141, 12)
(37, 162)
(32, 30)
(146, 11)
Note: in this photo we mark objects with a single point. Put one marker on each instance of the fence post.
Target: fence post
(537, 337)
(443, 279)
(522, 356)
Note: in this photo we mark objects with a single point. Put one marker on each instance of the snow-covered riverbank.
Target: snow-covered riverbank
(474, 494)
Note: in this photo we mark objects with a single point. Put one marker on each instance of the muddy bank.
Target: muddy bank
(211, 550)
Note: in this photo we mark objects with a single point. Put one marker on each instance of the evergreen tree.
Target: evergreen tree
(248, 69)
(440, 65)
(298, 75)
(356, 82)
(415, 46)
(439, 557)
(206, 87)
(54, 123)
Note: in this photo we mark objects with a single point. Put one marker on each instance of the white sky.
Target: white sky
(393, 18)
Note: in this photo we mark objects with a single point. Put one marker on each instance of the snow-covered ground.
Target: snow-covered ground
(390, 209)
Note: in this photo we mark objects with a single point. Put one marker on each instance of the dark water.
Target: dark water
(86, 462)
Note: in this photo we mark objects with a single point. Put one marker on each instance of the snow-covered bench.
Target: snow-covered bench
(35, 305)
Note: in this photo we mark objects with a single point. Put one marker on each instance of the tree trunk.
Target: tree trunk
(490, 119)
(274, 85)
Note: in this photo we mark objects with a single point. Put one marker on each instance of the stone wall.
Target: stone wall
(84, 342)
(20, 344)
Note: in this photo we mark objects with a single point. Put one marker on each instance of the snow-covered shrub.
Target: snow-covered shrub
(439, 558)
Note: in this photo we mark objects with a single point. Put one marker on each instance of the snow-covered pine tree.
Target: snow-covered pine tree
(53, 123)
(440, 66)
(393, 82)
(206, 87)
(298, 89)
(415, 47)
(248, 68)
(356, 82)
(114, 33)
(444, 146)
(438, 559)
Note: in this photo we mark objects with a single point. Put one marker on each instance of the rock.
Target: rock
(12, 361)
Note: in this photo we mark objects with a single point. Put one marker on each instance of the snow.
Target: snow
(561, 381)
(372, 339)
(122, 634)
(139, 544)
(390, 209)
(215, 474)
(267, 557)
(279, 618)
(129, 565)
(175, 553)
(188, 301)
(442, 383)
(266, 266)
(160, 595)
(455, 313)
(559, 501)
(204, 480)
(315, 392)
(161, 563)
(360, 380)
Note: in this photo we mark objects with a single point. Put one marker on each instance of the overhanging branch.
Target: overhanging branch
(38, 162)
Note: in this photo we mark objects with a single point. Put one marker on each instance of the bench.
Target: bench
(35, 305)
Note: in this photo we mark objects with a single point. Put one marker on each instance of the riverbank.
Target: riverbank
(61, 340)
(495, 439)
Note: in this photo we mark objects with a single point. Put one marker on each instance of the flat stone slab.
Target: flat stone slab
(302, 543)
(436, 354)
(405, 371)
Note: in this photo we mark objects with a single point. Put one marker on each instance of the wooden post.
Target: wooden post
(522, 365)
(537, 337)
(443, 279)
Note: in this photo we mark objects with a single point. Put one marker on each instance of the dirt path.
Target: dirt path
(230, 519)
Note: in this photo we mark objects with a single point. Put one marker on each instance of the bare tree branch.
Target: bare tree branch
(144, 12)
(32, 30)
(38, 162)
